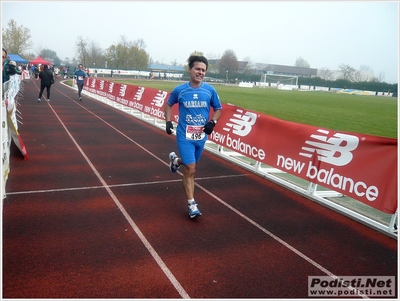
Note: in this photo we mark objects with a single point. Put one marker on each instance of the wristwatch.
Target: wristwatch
(215, 121)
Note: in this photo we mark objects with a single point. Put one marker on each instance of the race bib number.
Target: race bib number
(80, 77)
(194, 132)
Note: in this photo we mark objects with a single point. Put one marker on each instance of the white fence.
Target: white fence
(10, 117)
(323, 89)
(101, 72)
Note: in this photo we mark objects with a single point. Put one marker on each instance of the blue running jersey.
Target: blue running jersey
(80, 76)
(194, 109)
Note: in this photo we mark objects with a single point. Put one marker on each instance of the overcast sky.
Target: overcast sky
(325, 34)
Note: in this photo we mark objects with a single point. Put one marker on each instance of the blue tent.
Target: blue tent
(16, 58)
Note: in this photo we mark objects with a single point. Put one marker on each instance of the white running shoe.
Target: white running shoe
(193, 210)
(173, 167)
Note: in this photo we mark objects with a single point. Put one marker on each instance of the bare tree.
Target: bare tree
(364, 74)
(38, 48)
(95, 55)
(140, 44)
(81, 49)
(249, 67)
(212, 56)
(358, 77)
(366, 68)
(325, 74)
(381, 77)
(347, 72)
(228, 63)
(300, 62)
(124, 42)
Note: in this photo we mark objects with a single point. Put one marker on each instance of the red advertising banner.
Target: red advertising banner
(147, 100)
(363, 167)
(360, 166)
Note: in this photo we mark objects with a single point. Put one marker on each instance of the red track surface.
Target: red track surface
(95, 213)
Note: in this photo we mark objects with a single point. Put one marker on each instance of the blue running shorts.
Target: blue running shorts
(190, 151)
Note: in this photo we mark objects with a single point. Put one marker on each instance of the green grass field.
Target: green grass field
(374, 115)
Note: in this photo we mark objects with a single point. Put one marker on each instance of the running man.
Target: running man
(195, 99)
(80, 76)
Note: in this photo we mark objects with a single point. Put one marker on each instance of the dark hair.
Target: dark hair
(5, 50)
(45, 66)
(197, 58)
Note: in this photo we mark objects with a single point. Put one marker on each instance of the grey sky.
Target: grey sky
(326, 34)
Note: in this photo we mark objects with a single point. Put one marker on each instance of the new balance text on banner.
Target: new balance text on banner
(363, 167)
(147, 100)
(360, 166)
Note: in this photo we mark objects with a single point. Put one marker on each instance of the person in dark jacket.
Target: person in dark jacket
(46, 80)
(9, 67)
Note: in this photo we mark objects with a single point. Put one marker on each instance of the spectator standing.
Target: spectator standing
(9, 67)
(195, 99)
(14, 68)
(36, 71)
(80, 76)
(4, 56)
(46, 80)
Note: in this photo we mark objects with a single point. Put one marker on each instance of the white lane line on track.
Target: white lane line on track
(135, 228)
(118, 185)
(176, 283)
(279, 240)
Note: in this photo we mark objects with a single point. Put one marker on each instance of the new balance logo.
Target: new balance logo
(110, 87)
(159, 98)
(241, 123)
(139, 94)
(122, 90)
(334, 149)
(93, 84)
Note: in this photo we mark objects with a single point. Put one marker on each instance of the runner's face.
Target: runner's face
(197, 72)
